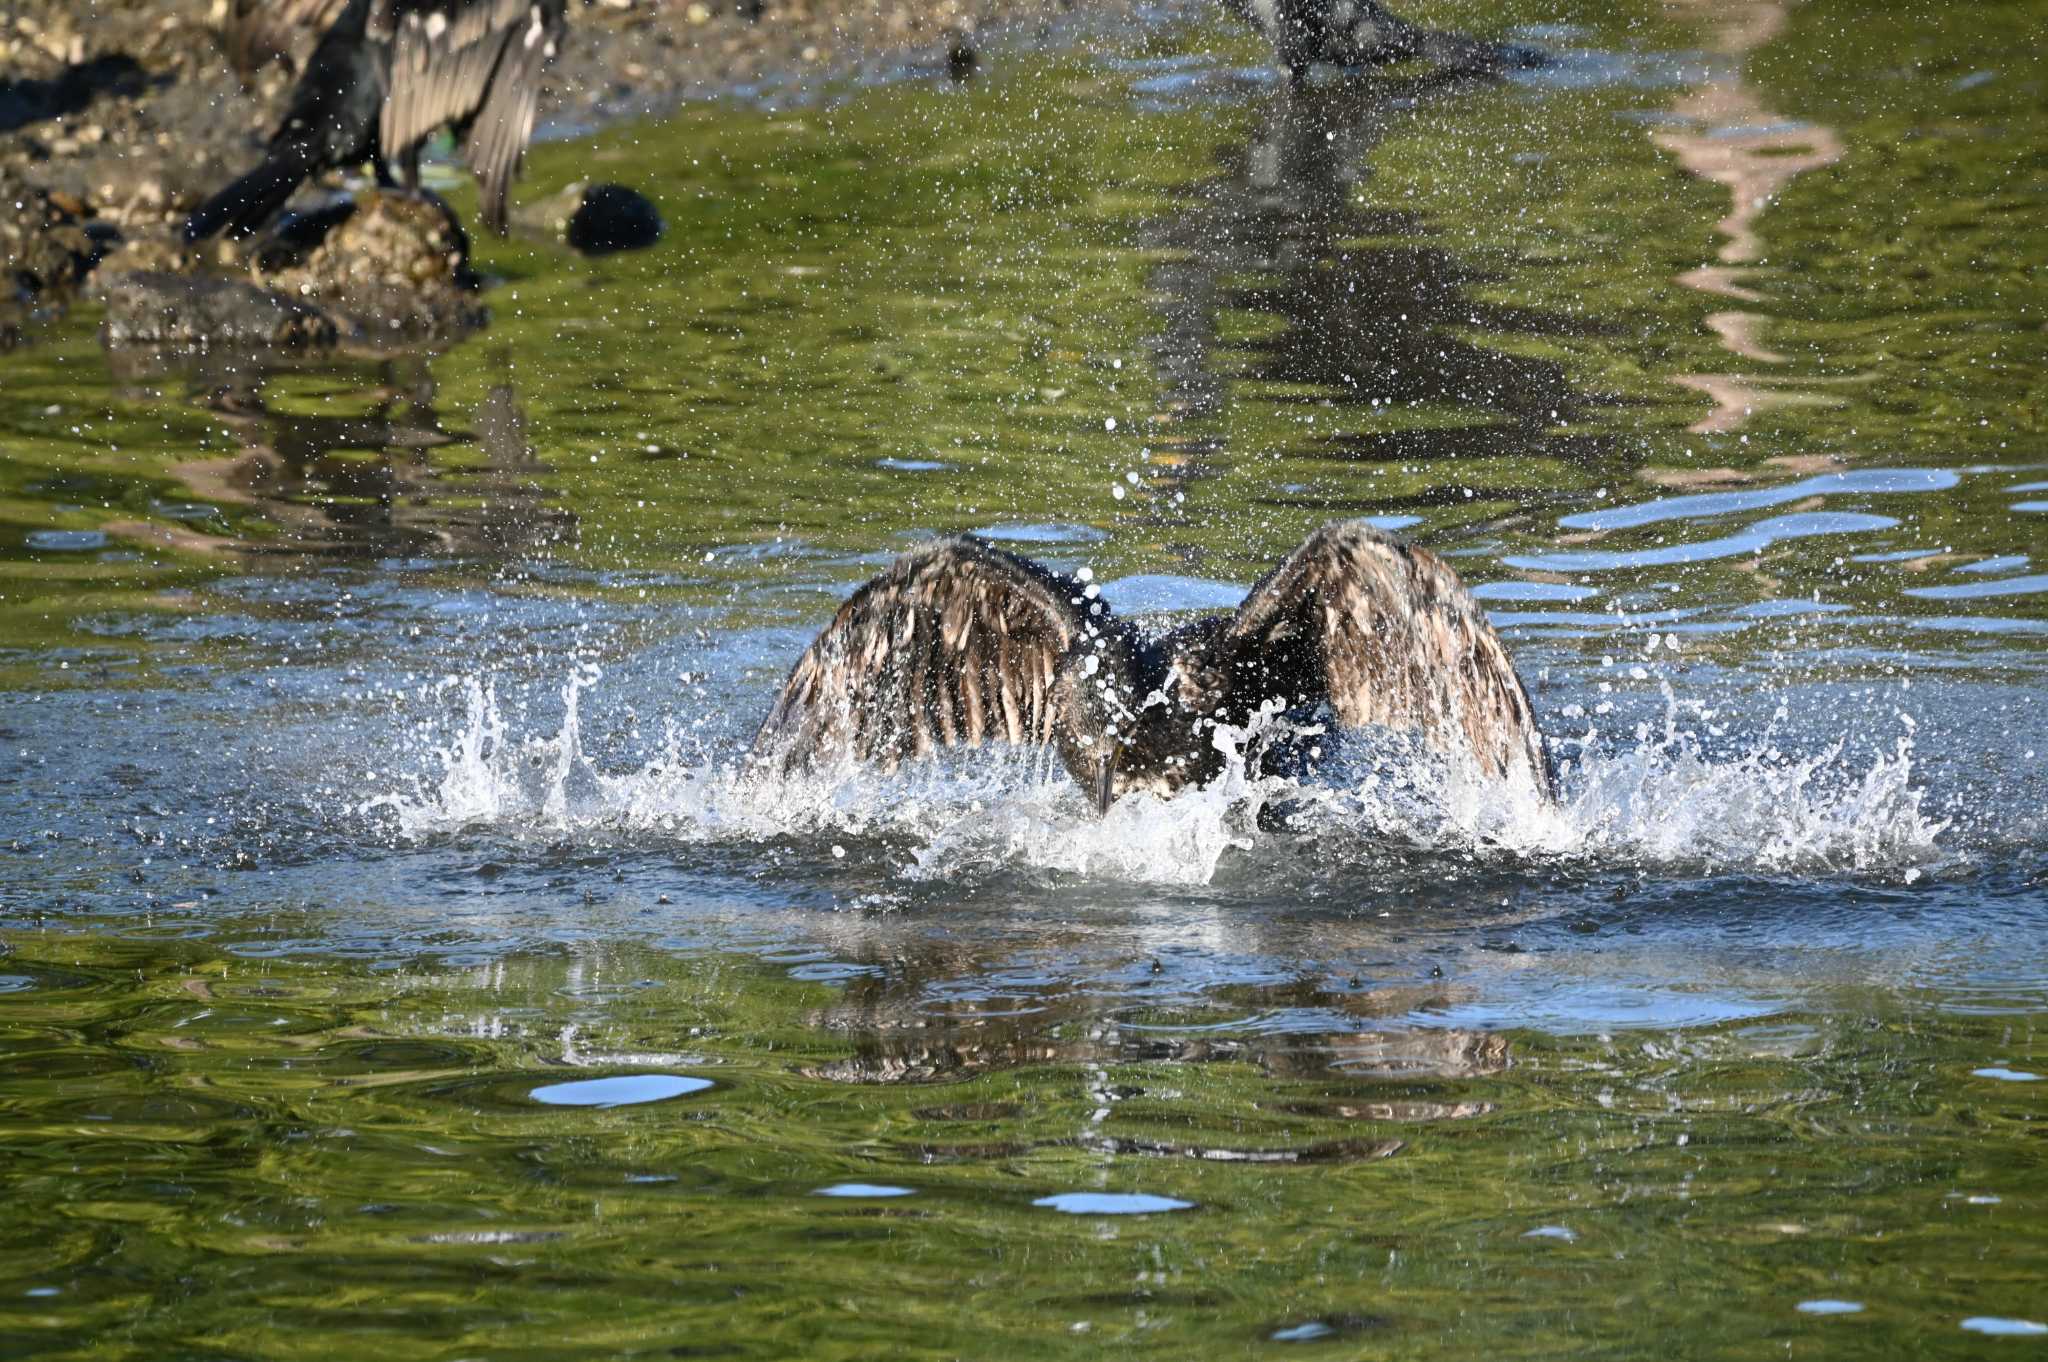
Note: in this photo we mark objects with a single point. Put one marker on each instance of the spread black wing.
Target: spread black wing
(330, 121)
(473, 63)
(1388, 635)
(955, 645)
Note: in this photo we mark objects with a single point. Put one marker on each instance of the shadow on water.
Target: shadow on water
(385, 478)
(1354, 307)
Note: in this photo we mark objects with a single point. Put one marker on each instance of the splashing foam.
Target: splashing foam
(1663, 800)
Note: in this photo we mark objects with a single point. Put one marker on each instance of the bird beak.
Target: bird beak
(1105, 785)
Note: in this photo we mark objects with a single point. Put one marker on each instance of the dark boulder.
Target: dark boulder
(612, 217)
(382, 267)
(158, 307)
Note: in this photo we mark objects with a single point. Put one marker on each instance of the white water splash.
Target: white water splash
(1664, 800)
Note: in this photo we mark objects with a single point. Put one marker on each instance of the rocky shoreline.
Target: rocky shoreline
(118, 116)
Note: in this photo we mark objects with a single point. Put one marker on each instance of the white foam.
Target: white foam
(1661, 800)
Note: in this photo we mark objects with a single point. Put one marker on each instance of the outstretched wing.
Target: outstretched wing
(955, 645)
(503, 125)
(1388, 635)
(473, 62)
(264, 30)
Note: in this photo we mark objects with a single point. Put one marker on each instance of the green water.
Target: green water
(239, 1159)
(293, 928)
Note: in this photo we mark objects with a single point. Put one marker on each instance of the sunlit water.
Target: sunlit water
(398, 956)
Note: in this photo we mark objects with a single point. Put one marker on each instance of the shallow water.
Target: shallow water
(391, 957)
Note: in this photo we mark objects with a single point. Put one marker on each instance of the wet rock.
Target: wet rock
(380, 267)
(154, 307)
(593, 218)
(47, 241)
(380, 241)
(613, 217)
(393, 263)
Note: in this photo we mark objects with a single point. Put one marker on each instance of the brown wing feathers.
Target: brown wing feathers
(958, 644)
(477, 64)
(955, 645)
(503, 125)
(1389, 635)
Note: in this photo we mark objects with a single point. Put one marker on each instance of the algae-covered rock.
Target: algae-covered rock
(392, 262)
(383, 266)
(155, 307)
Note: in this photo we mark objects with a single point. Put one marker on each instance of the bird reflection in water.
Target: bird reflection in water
(1366, 323)
(939, 1015)
(372, 482)
(922, 1021)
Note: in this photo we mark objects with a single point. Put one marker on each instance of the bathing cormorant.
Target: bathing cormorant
(383, 78)
(960, 643)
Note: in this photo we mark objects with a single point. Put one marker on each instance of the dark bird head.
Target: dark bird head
(1096, 697)
(1117, 729)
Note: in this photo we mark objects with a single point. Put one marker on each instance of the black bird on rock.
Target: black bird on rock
(383, 78)
(961, 643)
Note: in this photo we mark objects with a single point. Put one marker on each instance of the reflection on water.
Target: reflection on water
(387, 479)
(1284, 283)
(1729, 137)
(211, 1134)
(1701, 505)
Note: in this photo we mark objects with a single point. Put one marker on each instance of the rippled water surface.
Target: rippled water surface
(392, 961)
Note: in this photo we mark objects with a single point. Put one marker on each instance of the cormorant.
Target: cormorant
(960, 643)
(383, 78)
